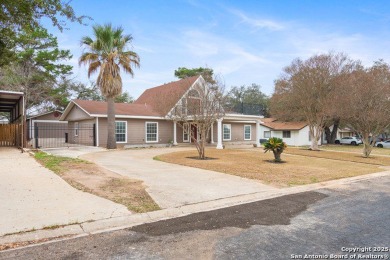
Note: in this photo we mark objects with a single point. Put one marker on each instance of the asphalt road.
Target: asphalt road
(319, 225)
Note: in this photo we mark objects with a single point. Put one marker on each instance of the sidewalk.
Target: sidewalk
(32, 197)
(118, 223)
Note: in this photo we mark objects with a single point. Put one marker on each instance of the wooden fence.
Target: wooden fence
(10, 135)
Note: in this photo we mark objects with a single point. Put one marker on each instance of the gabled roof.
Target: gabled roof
(43, 114)
(154, 102)
(163, 98)
(274, 124)
(99, 109)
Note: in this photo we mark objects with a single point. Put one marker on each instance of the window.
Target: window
(227, 131)
(76, 129)
(151, 132)
(286, 134)
(247, 132)
(267, 134)
(186, 133)
(121, 131)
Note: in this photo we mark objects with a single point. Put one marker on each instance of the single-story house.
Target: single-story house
(292, 133)
(146, 121)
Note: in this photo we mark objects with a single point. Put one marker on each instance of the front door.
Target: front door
(194, 132)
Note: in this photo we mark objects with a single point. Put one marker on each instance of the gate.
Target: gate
(51, 135)
(10, 134)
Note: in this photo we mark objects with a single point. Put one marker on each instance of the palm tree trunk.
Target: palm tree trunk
(277, 156)
(111, 139)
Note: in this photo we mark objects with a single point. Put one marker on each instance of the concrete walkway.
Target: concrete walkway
(173, 185)
(32, 197)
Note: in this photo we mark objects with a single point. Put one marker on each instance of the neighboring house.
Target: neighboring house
(45, 130)
(146, 122)
(292, 133)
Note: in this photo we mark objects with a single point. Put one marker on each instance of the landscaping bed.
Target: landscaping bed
(255, 164)
(91, 178)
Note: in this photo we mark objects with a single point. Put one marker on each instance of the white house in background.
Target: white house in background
(292, 133)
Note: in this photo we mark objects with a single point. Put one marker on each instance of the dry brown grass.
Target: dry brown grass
(91, 178)
(255, 164)
(340, 156)
(355, 149)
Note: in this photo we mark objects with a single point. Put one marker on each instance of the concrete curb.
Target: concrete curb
(118, 223)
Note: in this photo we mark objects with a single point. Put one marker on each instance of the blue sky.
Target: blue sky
(244, 42)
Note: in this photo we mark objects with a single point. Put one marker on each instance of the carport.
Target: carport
(13, 111)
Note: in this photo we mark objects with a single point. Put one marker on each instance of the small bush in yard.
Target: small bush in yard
(277, 146)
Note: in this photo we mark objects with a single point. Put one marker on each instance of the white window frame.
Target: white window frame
(186, 125)
(250, 132)
(223, 132)
(76, 129)
(146, 132)
(121, 133)
(267, 133)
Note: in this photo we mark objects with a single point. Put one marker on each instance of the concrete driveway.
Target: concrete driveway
(73, 151)
(173, 185)
(32, 197)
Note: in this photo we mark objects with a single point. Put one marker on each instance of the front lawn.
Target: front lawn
(354, 149)
(340, 156)
(255, 164)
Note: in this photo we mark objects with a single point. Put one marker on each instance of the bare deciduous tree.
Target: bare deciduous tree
(306, 89)
(199, 108)
(365, 103)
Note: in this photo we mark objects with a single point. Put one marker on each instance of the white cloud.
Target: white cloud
(257, 22)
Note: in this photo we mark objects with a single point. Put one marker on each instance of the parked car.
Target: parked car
(383, 144)
(352, 140)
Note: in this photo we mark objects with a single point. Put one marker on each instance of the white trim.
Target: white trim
(219, 131)
(146, 133)
(188, 133)
(11, 92)
(188, 90)
(76, 129)
(250, 133)
(121, 133)
(258, 134)
(212, 133)
(97, 131)
(223, 132)
(69, 108)
(47, 121)
(174, 133)
(127, 116)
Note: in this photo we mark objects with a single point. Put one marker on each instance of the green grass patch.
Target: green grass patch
(157, 158)
(54, 163)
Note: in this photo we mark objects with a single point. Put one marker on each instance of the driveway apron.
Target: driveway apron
(172, 185)
(32, 197)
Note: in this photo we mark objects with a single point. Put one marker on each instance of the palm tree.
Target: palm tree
(277, 146)
(108, 53)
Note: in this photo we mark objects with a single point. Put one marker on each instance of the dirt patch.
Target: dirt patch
(254, 164)
(91, 178)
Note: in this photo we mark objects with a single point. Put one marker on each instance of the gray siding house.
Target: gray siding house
(145, 122)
